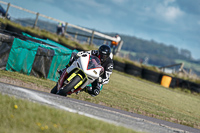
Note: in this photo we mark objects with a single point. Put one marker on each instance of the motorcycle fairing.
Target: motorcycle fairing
(87, 67)
(91, 65)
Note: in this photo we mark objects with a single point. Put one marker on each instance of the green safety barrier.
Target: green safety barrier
(22, 56)
(47, 41)
(60, 60)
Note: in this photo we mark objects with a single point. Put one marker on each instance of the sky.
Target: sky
(172, 22)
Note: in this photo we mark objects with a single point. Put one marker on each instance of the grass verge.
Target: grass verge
(128, 93)
(24, 116)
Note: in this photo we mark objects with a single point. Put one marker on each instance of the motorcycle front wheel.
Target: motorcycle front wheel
(54, 90)
(68, 87)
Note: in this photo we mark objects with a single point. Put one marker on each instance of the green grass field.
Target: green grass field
(20, 116)
(128, 93)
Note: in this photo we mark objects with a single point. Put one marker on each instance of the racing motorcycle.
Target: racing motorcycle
(84, 70)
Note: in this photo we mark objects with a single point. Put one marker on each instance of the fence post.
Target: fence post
(37, 15)
(88, 40)
(8, 6)
(66, 24)
(75, 37)
(91, 41)
(104, 42)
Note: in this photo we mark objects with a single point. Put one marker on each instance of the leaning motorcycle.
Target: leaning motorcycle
(84, 70)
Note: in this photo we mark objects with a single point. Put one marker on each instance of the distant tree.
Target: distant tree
(186, 53)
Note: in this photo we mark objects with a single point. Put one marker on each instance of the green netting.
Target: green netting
(46, 41)
(60, 60)
(21, 56)
(23, 53)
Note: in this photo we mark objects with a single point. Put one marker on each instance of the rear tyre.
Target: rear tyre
(69, 86)
(54, 90)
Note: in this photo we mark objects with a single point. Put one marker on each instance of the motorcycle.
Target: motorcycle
(84, 70)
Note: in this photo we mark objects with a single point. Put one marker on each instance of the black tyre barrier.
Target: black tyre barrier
(13, 29)
(194, 87)
(151, 75)
(178, 82)
(133, 70)
(2, 26)
(14, 34)
(42, 62)
(119, 66)
(5, 47)
(173, 83)
(4, 53)
(183, 83)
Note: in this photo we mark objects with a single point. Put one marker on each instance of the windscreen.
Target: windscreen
(94, 62)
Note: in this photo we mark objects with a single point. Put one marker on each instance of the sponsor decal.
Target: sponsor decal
(95, 72)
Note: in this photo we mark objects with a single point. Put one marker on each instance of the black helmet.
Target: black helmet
(104, 52)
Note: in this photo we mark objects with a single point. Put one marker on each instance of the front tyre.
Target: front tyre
(54, 90)
(68, 87)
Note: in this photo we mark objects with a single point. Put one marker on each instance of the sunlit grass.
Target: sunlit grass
(139, 96)
(20, 116)
(132, 94)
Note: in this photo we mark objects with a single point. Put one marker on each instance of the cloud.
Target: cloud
(49, 1)
(169, 12)
(119, 1)
(167, 2)
(190, 6)
(198, 22)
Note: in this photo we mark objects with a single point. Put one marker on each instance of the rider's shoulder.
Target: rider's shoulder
(111, 55)
(109, 60)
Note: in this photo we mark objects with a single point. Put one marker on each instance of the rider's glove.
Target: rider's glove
(95, 52)
(78, 54)
(74, 56)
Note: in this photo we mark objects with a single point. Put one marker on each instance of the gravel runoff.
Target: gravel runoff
(118, 117)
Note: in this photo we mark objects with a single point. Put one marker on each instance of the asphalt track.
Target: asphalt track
(118, 117)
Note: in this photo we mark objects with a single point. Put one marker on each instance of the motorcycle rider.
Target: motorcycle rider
(105, 55)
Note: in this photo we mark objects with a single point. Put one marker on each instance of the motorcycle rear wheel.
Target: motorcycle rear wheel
(68, 87)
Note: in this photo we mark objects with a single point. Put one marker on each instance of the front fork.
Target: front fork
(71, 75)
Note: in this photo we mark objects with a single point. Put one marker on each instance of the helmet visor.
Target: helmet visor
(103, 57)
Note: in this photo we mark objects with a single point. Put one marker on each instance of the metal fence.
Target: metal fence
(35, 19)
